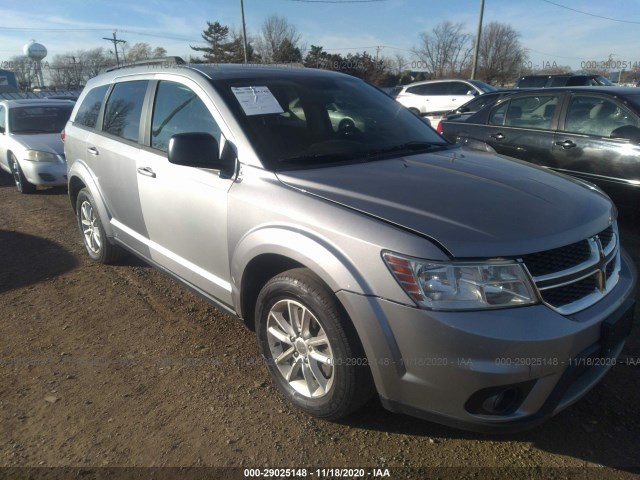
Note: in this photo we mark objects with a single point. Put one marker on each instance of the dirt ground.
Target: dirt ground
(118, 366)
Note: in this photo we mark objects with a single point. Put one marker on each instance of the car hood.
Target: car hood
(472, 204)
(43, 142)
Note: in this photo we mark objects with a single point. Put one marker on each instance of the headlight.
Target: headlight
(462, 285)
(38, 156)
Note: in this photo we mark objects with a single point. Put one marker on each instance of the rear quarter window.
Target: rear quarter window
(90, 107)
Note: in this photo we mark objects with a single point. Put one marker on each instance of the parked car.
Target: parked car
(562, 80)
(463, 112)
(435, 97)
(30, 146)
(466, 289)
(588, 132)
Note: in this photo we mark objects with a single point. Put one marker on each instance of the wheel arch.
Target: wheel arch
(267, 252)
(80, 177)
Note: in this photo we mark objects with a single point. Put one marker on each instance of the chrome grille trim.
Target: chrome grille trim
(579, 286)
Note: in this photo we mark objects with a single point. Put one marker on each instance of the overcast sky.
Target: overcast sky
(549, 30)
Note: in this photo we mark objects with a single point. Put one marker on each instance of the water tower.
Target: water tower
(36, 52)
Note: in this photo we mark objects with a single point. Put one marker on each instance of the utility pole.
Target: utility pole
(476, 47)
(115, 45)
(244, 31)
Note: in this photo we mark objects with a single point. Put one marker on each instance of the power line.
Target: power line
(592, 14)
(338, 1)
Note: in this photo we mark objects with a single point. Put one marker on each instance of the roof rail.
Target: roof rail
(161, 61)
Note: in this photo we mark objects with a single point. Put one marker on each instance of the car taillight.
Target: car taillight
(439, 127)
(62, 135)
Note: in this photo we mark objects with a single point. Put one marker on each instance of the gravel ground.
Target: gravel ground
(104, 368)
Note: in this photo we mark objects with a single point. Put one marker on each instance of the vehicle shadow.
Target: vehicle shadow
(27, 259)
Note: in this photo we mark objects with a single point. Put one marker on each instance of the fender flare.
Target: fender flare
(79, 170)
(323, 258)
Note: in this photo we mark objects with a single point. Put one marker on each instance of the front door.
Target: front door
(185, 208)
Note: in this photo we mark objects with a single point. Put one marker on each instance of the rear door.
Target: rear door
(597, 141)
(523, 127)
(111, 153)
(185, 208)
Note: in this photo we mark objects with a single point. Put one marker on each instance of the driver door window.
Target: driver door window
(598, 116)
(177, 109)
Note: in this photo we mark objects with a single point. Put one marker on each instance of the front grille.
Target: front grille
(545, 263)
(574, 277)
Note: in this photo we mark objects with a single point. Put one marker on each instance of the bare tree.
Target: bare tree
(501, 56)
(143, 51)
(399, 63)
(446, 50)
(279, 41)
(24, 68)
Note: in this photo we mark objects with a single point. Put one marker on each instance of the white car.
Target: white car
(436, 97)
(31, 148)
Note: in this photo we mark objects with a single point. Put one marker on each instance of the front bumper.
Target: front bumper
(52, 174)
(500, 370)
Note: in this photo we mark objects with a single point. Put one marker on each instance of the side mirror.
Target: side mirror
(472, 92)
(199, 150)
(463, 109)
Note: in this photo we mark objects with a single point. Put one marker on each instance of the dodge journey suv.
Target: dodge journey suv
(368, 253)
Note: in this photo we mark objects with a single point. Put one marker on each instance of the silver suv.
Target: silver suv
(368, 253)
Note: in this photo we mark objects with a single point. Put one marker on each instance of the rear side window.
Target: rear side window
(534, 111)
(2, 120)
(90, 108)
(532, 82)
(177, 109)
(124, 108)
(439, 88)
(459, 88)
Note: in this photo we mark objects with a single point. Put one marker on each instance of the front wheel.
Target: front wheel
(310, 347)
(93, 234)
(21, 182)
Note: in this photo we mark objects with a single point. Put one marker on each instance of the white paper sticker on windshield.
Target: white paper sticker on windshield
(257, 100)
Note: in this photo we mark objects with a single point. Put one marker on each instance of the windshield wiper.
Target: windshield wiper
(403, 147)
(318, 158)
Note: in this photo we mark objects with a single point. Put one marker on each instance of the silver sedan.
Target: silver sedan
(31, 147)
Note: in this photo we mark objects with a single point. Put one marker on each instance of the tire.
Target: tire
(310, 346)
(20, 181)
(93, 235)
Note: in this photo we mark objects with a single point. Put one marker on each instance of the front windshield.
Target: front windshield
(299, 120)
(39, 119)
(603, 81)
(485, 87)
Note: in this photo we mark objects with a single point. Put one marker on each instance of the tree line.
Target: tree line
(444, 52)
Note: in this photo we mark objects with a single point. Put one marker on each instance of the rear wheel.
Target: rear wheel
(22, 184)
(310, 347)
(93, 234)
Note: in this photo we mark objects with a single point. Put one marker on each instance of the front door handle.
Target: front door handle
(497, 136)
(567, 144)
(93, 151)
(147, 172)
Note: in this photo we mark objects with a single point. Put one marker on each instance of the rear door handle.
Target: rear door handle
(93, 151)
(147, 172)
(567, 144)
(497, 136)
